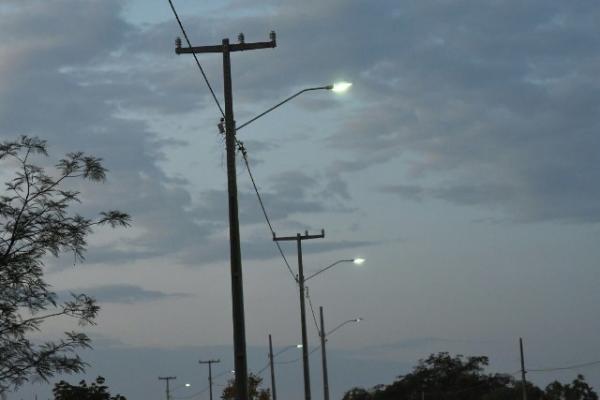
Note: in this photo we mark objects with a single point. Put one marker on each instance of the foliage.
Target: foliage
(442, 376)
(255, 392)
(95, 391)
(577, 390)
(35, 222)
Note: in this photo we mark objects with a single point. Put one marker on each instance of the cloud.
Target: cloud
(93, 92)
(123, 294)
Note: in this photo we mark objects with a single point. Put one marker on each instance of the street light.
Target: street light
(185, 385)
(301, 288)
(323, 336)
(272, 363)
(356, 261)
(339, 87)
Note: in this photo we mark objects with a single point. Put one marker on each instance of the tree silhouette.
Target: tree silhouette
(95, 391)
(255, 392)
(35, 222)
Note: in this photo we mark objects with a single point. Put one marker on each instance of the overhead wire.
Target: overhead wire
(203, 390)
(242, 149)
(212, 92)
(575, 366)
(240, 144)
(312, 310)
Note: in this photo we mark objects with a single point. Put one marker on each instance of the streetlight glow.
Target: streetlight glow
(187, 385)
(341, 87)
(298, 346)
(358, 261)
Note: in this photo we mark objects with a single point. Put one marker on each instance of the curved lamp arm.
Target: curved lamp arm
(298, 346)
(357, 261)
(342, 324)
(328, 87)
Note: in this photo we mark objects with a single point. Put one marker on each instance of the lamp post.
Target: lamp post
(272, 363)
(323, 336)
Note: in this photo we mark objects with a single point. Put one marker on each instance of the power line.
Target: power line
(312, 310)
(203, 390)
(588, 364)
(196, 58)
(244, 152)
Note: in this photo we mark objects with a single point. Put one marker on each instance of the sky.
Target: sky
(462, 165)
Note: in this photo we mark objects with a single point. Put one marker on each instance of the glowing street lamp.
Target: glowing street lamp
(355, 261)
(339, 87)
(272, 364)
(324, 336)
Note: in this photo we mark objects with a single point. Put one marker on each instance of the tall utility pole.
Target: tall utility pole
(210, 363)
(272, 365)
(324, 356)
(523, 372)
(299, 238)
(237, 291)
(167, 379)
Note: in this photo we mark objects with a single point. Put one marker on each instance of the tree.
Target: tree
(35, 222)
(95, 391)
(576, 390)
(442, 376)
(255, 392)
(358, 394)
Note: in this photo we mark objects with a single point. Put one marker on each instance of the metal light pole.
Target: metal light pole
(523, 371)
(323, 337)
(273, 390)
(271, 364)
(324, 356)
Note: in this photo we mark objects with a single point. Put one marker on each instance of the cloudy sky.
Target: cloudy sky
(463, 165)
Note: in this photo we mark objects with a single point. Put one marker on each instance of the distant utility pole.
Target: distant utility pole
(523, 372)
(210, 363)
(299, 238)
(167, 379)
(237, 291)
(272, 366)
(324, 356)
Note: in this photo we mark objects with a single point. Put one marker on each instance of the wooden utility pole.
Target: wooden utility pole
(210, 382)
(237, 290)
(324, 356)
(299, 238)
(272, 365)
(523, 372)
(167, 379)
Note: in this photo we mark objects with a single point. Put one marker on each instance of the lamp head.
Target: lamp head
(298, 346)
(187, 385)
(358, 261)
(340, 87)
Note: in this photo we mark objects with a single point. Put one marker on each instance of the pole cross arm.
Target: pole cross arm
(231, 47)
(299, 236)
